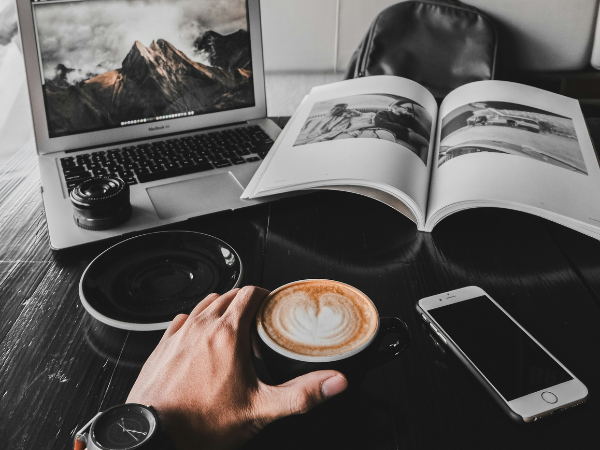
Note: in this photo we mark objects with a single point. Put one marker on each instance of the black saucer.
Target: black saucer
(144, 282)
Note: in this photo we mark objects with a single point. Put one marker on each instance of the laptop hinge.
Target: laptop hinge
(162, 136)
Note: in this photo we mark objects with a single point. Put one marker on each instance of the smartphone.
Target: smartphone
(522, 376)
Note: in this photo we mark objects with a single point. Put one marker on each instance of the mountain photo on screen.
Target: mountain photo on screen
(372, 116)
(116, 62)
(511, 129)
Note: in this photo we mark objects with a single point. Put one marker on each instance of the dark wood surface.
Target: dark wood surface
(58, 366)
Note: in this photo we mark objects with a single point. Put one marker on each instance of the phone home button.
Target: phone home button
(549, 397)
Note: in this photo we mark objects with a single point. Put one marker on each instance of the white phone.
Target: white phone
(522, 376)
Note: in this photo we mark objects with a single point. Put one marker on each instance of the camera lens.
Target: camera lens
(101, 203)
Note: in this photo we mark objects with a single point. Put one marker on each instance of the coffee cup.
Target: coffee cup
(313, 325)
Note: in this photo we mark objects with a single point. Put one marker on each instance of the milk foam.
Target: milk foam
(318, 318)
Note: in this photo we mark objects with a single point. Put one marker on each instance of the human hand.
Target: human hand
(201, 381)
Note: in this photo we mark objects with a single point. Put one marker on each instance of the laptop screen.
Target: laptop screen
(116, 63)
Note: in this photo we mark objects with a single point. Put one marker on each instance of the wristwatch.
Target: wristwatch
(130, 426)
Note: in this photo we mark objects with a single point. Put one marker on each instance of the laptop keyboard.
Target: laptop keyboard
(170, 158)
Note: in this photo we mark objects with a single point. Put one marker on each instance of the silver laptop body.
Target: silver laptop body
(92, 90)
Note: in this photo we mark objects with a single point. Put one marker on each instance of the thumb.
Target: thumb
(302, 394)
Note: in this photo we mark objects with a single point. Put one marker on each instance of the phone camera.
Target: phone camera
(101, 203)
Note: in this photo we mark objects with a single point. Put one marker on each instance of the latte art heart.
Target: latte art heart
(318, 318)
(329, 320)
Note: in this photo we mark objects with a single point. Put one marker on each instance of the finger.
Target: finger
(174, 326)
(255, 348)
(243, 307)
(301, 394)
(220, 304)
(202, 305)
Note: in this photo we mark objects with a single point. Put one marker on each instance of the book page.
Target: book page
(510, 145)
(375, 132)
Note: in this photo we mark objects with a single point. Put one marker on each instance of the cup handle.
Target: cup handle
(392, 325)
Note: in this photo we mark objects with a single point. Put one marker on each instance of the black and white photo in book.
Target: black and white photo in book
(511, 129)
(372, 116)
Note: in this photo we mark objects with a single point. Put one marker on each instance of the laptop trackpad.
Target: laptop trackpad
(198, 196)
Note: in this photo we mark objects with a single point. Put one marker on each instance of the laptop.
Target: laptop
(168, 95)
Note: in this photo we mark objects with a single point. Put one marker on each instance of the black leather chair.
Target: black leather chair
(441, 44)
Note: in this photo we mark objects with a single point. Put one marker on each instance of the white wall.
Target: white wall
(321, 35)
(299, 35)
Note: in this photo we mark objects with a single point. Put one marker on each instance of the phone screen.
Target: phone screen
(512, 362)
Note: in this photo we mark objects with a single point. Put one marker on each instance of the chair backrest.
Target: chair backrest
(441, 44)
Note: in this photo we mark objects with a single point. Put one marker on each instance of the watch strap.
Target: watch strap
(163, 440)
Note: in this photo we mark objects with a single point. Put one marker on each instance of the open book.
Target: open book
(489, 144)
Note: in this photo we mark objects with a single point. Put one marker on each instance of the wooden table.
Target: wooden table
(58, 366)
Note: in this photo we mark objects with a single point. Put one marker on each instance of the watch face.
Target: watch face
(123, 427)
